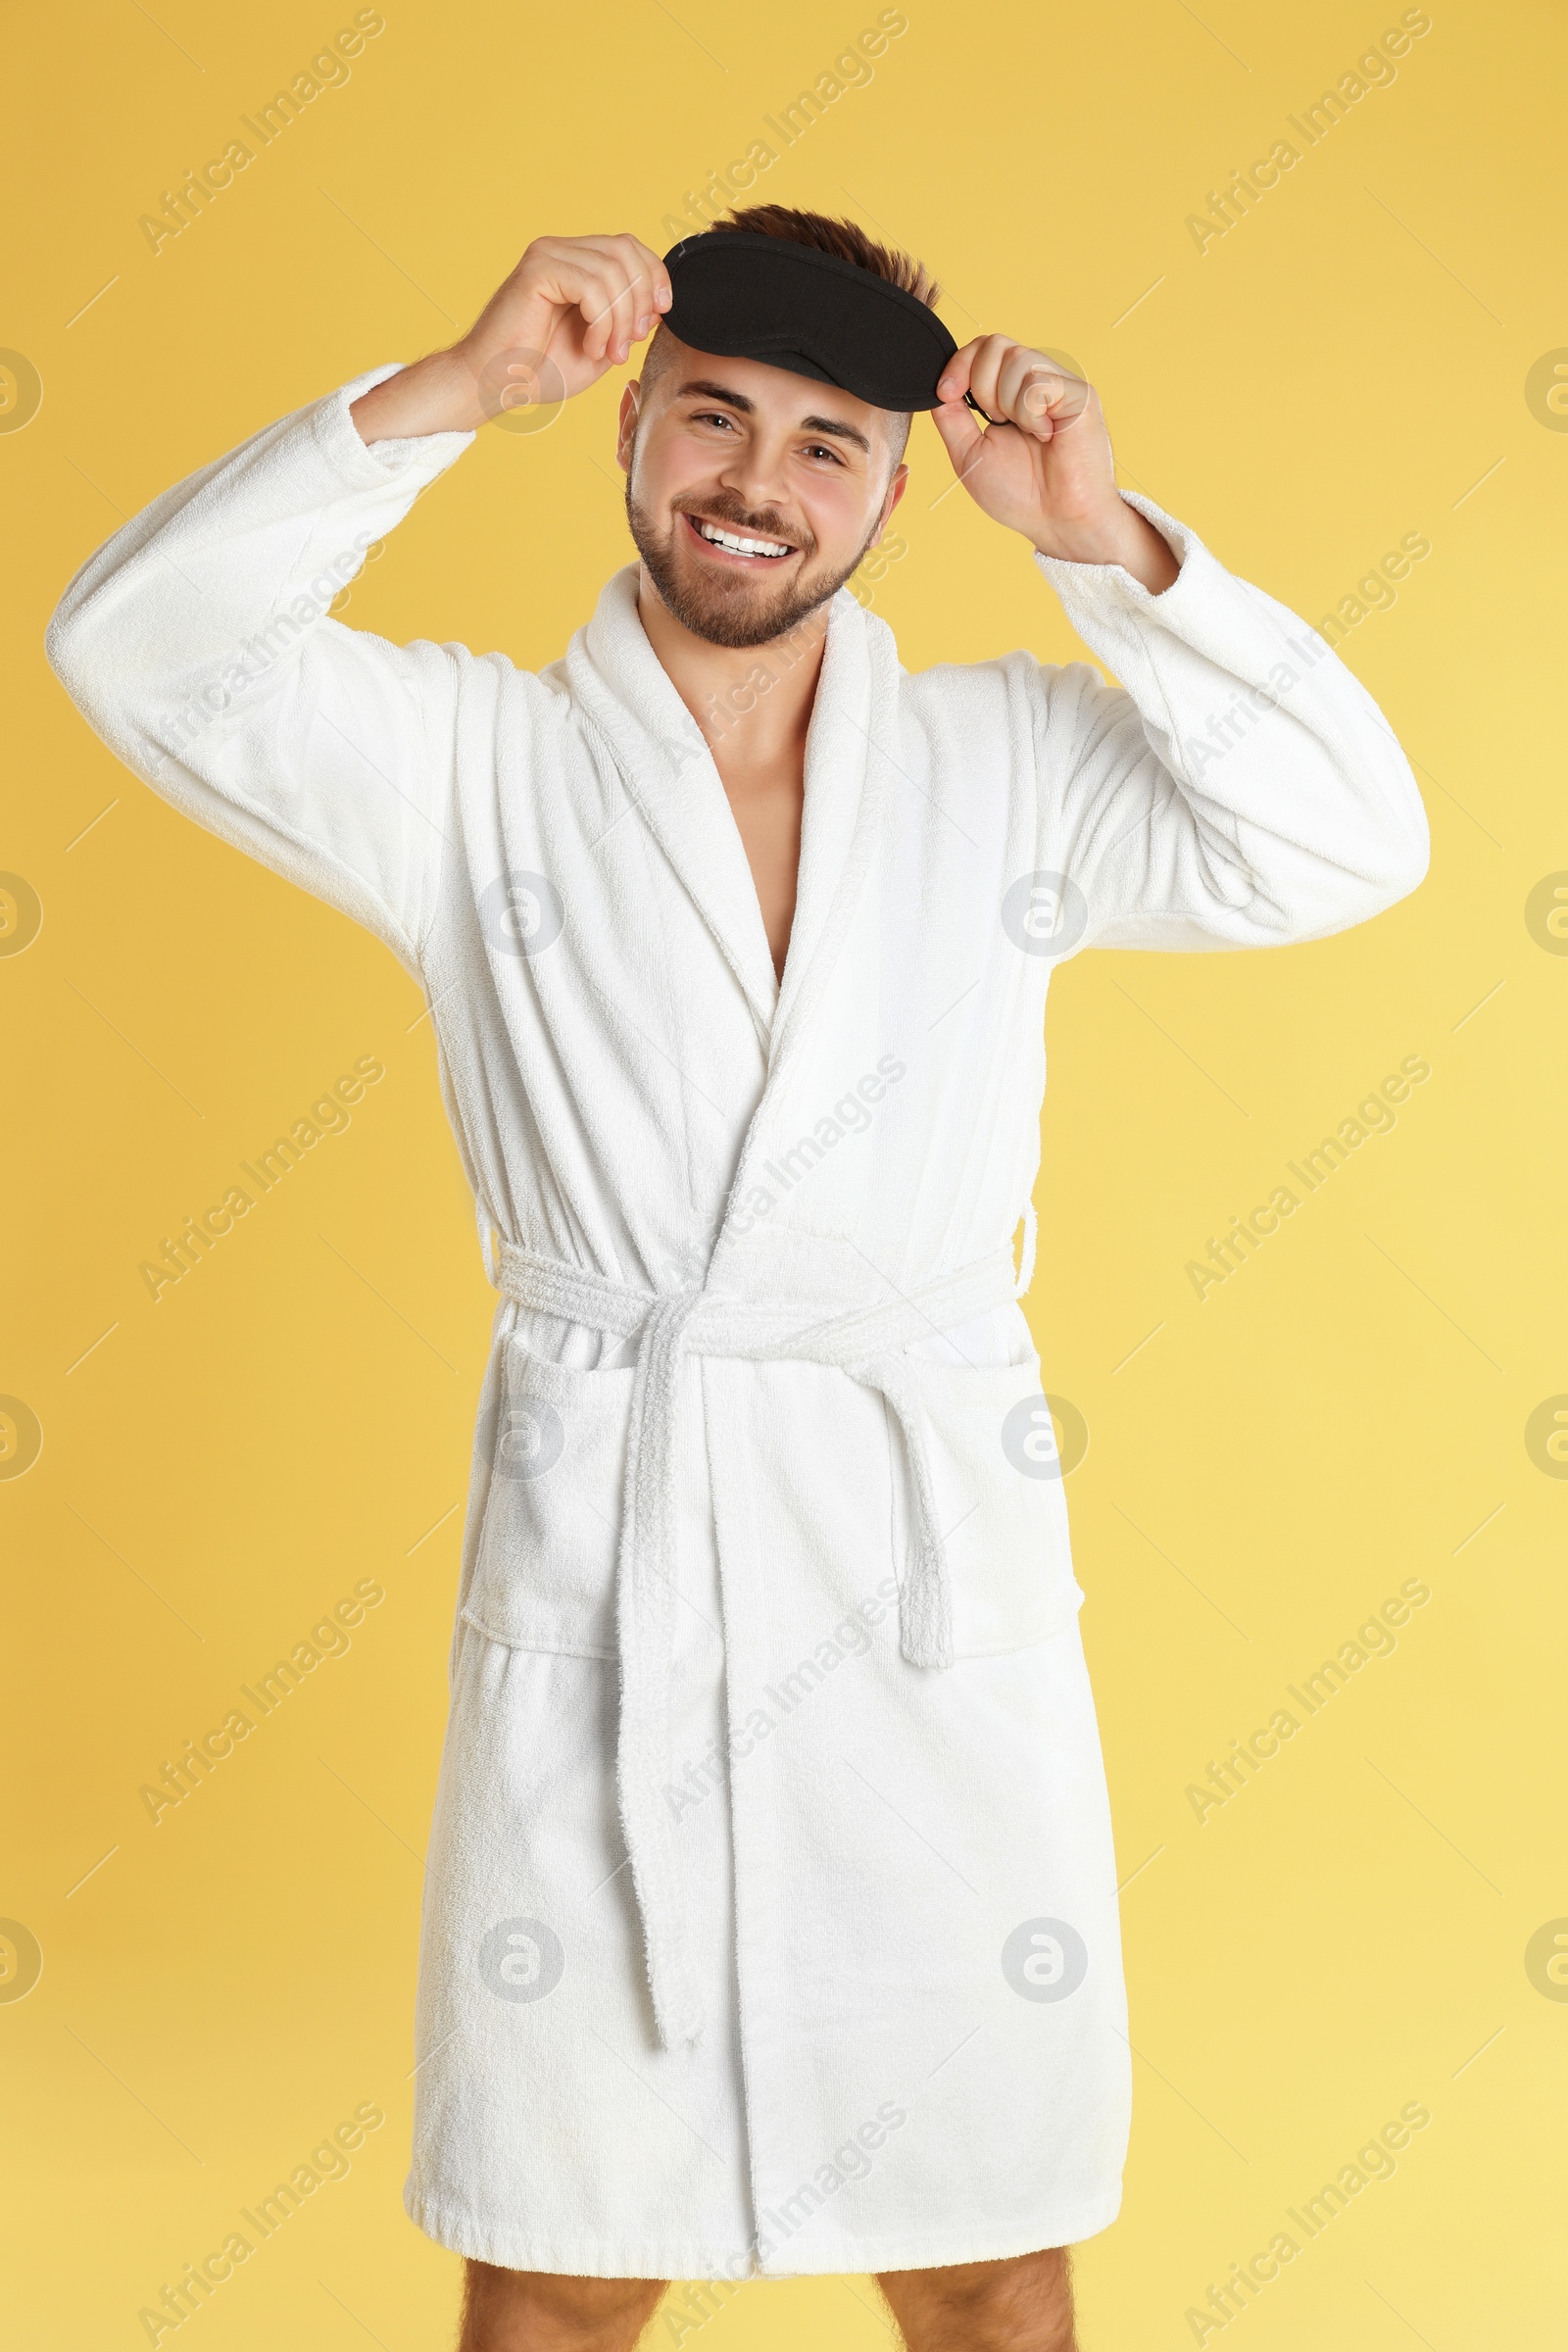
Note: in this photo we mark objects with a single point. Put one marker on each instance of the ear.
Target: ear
(896, 489)
(626, 424)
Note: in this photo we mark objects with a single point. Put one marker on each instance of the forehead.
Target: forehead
(774, 395)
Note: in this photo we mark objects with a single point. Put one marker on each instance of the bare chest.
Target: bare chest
(766, 799)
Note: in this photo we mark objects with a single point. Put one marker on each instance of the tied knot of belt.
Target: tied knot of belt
(865, 1343)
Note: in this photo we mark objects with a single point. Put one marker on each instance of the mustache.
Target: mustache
(765, 522)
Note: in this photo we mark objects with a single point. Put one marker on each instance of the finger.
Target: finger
(645, 275)
(559, 269)
(624, 323)
(591, 290)
(591, 276)
(627, 260)
(648, 265)
(985, 370)
(664, 291)
(1039, 394)
(961, 437)
(1029, 389)
(606, 306)
(649, 278)
(954, 381)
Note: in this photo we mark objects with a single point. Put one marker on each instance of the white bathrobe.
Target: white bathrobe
(770, 1923)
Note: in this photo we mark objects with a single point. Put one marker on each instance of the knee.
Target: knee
(503, 2309)
(1023, 2301)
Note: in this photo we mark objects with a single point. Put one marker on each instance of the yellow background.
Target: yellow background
(1341, 369)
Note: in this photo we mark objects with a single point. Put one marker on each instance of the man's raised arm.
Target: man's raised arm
(571, 309)
(1240, 788)
(198, 644)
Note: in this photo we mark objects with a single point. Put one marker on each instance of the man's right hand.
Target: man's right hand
(572, 309)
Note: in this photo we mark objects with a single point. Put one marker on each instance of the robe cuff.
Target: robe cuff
(1110, 588)
(366, 465)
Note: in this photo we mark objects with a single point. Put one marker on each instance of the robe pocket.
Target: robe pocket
(545, 1578)
(997, 1479)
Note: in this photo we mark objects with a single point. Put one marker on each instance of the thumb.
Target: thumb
(961, 437)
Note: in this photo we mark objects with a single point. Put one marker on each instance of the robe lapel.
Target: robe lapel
(851, 768)
(846, 786)
(853, 760)
(671, 778)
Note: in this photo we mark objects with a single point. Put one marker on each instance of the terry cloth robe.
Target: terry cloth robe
(770, 1921)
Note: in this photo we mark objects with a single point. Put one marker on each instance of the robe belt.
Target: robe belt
(868, 1345)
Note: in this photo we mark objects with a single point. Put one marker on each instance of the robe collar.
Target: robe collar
(668, 771)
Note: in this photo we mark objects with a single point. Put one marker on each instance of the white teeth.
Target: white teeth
(736, 545)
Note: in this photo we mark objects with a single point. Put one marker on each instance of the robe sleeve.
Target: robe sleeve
(1240, 789)
(197, 643)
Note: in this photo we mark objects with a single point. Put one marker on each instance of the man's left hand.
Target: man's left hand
(1045, 468)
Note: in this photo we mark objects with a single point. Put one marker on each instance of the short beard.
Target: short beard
(731, 612)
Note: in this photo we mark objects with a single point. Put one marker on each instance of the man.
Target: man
(771, 1923)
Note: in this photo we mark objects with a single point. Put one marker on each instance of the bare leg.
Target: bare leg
(542, 2310)
(1023, 2305)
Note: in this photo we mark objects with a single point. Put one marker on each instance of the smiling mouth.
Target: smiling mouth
(743, 547)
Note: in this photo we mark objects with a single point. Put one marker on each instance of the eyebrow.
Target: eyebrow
(704, 388)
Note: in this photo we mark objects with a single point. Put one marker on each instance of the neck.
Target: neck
(758, 697)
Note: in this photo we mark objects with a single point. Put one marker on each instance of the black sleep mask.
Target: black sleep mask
(747, 297)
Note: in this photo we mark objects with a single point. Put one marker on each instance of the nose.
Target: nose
(754, 472)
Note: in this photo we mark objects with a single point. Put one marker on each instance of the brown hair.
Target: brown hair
(845, 239)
